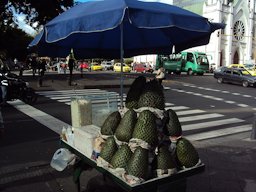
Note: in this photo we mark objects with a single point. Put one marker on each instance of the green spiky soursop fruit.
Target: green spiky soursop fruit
(145, 128)
(164, 159)
(134, 92)
(121, 157)
(108, 149)
(152, 96)
(138, 164)
(172, 127)
(110, 124)
(186, 153)
(126, 126)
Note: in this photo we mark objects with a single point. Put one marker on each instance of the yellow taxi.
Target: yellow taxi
(117, 67)
(250, 68)
(96, 67)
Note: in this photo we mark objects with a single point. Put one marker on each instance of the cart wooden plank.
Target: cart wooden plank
(149, 184)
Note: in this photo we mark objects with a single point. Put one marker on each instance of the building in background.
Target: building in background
(237, 42)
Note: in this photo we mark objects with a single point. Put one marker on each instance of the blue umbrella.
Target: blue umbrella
(122, 28)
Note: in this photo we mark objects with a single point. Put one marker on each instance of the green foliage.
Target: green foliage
(40, 11)
(13, 41)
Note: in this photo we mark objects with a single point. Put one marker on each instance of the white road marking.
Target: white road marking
(211, 124)
(230, 102)
(56, 125)
(45, 119)
(242, 105)
(168, 104)
(215, 98)
(200, 117)
(219, 133)
(189, 112)
(177, 108)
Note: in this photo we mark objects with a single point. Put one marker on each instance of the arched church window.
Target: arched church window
(239, 30)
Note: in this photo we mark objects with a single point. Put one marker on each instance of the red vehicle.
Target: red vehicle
(84, 66)
(142, 68)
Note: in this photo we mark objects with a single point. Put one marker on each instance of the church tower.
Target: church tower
(234, 44)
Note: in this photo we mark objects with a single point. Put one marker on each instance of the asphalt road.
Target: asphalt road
(209, 113)
(203, 105)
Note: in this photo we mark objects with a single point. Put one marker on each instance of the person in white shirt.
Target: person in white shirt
(160, 75)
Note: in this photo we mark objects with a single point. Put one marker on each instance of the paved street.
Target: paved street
(217, 118)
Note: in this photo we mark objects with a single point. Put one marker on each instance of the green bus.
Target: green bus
(189, 62)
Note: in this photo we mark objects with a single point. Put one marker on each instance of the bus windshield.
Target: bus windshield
(202, 60)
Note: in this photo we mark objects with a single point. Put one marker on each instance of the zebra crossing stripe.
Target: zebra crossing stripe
(177, 108)
(68, 91)
(211, 124)
(189, 112)
(168, 104)
(219, 133)
(45, 119)
(74, 96)
(181, 111)
(199, 117)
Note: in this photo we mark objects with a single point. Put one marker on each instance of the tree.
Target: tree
(35, 11)
(13, 41)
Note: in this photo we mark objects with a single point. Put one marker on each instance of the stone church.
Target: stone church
(237, 42)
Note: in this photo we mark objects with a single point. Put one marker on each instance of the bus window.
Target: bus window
(190, 58)
(202, 60)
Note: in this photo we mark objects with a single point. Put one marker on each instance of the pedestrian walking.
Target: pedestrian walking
(3, 82)
(160, 75)
(34, 65)
(42, 69)
(1, 123)
(71, 63)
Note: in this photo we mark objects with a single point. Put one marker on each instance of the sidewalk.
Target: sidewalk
(229, 162)
(54, 81)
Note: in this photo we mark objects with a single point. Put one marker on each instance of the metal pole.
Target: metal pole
(253, 133)
(122, 61)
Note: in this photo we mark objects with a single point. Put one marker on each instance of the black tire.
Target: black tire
(245, 84)
(190, 72)
(30, 97)
(220, 80)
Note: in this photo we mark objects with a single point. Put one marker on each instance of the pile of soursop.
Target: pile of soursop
(146, 141)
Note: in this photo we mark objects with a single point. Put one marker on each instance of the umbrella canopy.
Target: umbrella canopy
(101, 29)
(122, 28)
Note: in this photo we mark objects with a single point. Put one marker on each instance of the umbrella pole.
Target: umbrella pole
(122, 61)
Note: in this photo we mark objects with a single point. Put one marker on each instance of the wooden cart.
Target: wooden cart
(176, 182)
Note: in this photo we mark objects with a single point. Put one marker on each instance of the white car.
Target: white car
(107, 65)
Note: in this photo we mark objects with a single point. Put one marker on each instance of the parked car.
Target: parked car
(250, 67)
(107, 65)
(142, 68)
(117, 67)
(84, 66)
(235, 76)
(96, 67)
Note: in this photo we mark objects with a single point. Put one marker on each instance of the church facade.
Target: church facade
(234, 44)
